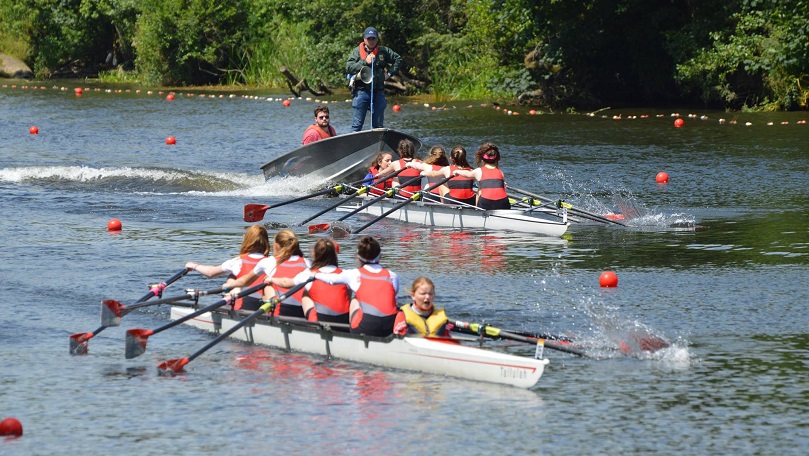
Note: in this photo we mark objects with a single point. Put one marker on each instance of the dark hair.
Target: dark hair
(324, 253)
(458, 157)
(368, 250)
(406, 149)
(487, 153)
(321, 108)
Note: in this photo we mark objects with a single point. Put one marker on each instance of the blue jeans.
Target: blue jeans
(362, 103)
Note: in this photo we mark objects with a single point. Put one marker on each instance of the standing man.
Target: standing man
(384, 62)
(321, 129)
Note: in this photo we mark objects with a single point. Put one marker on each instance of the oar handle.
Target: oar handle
(358, 192)
(265, 308)
(415, 197)
(157, 289)
(190, 295)
(216, 305)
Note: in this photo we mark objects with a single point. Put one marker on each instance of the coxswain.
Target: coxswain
(421, 317)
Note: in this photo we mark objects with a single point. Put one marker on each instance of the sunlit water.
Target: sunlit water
(716, 262)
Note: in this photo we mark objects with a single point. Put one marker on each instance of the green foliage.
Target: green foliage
(189, 41)
(16, 20)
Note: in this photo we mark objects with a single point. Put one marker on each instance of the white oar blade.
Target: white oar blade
(111, 312)
(79, 342)
(136, 342)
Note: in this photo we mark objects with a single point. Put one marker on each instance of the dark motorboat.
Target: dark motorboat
(340, 158)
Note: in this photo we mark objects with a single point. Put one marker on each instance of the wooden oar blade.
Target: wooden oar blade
(136, 342)
(254, 212)
(172, 366)
(111, 312)
(78, 343)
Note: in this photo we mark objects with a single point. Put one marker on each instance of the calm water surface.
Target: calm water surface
(716, 262)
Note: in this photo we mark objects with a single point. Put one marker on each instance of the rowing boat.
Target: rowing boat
(449, 216)
(408, 353)
(339, 158)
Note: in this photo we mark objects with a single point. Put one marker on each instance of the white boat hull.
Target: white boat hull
(441, 215)
(409, 353)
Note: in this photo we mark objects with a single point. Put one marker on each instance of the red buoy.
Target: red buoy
(33, 130)
(78, 91)
(608, 279)
(662, 178)
(171, 140)
(114, 225)
(679, 122)
(286, 103)
(11, 426)
(170, 96)
(396, 108)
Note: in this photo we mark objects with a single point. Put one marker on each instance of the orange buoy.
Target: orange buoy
(171, 140)
(679, 122)
(33, 130)
(11, 426)
(662, 178)
(396, 108)
(533, 112)
(114, 225)
(608, 279)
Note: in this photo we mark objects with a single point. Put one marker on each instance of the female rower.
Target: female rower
(287, 261)
(407, 152)
(421, 317)
(255, 247)
(381, 165)
(373, 309)
(321, 301)
(490, 179)
(460, 189)
(435, 160)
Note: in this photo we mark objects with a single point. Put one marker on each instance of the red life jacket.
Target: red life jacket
(408, 174)
(364, 53)
(460, 187)
(492, 184)
(330, 300)
(376, 294)
(248, 264)
(320, 132)
(289, 268)
(382, 186)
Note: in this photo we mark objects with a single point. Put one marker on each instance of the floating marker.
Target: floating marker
(11, 426)
(396, 108)
(33, 130)
(286, 103)
(679, 122)
(114, 225)
(608, 279)
(171, 140)
(78, 91)
(662, 178)
(170, 97)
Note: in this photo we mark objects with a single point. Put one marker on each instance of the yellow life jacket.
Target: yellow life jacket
(432, 326)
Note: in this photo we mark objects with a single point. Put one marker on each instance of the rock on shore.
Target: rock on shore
(12, 67)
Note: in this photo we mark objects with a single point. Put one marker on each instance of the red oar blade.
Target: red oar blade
(78, 343)
(111, 312)
(136, 342)
(172, 366)
(339, 229)
(637, 343)
(319, 228)
(254, 212)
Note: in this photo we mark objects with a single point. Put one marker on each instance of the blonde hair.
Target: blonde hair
(288, 245)
(419, 282)
(437, 156)
(256, 240)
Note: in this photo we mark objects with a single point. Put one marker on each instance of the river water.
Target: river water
(716, 261)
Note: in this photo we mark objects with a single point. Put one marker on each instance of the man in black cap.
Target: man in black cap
(383, 62)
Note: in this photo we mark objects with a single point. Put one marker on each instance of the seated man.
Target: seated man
(321, 128)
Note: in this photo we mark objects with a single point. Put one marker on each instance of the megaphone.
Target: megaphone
(365, 75)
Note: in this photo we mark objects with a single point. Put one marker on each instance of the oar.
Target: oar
(136, 338)
(416, 196)
(79, 341)
(490, 331)
(112, 311)
(359, 192)
(387, 194)
(255, 212)
(579, 212)
(176, 365)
